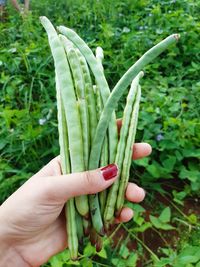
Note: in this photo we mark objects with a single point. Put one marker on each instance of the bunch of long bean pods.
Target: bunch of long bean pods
(88, 135)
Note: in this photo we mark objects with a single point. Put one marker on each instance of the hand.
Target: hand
(32, 220)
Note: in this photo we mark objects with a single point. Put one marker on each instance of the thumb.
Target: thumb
(63, 187)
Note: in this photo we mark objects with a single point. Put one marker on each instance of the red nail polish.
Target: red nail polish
(109, 172)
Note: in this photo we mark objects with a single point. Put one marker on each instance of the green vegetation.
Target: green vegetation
(165, 228)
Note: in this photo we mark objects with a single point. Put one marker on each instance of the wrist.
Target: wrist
(9, 256)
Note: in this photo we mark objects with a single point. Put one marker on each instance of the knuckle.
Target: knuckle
(91, 183)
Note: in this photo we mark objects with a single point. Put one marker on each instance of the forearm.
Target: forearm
(16, 5)
(26, 4)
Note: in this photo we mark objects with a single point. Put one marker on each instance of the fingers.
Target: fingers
(134, 193)
(141, 150)
(125, 215)
(51, 169)
(61, 188)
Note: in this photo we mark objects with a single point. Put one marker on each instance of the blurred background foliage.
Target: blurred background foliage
(169, 114)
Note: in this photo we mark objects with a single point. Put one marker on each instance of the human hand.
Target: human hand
(32, 219)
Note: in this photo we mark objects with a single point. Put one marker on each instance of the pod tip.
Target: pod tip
(141, 73)
(177, 36)
(42, 18)
(102, 232)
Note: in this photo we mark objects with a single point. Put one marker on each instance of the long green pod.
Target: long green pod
(104, 153)
(68, 96)
(90, 98)
(86, 226)
(99, 56)
(104, 160)
(62, 130)
(118, 91)
(65, 165)
(81, 201)
(104, 89)
(80, 92)
(72, 239)
(79, 224)
(79, 85)
(128, 153)
(112, 194)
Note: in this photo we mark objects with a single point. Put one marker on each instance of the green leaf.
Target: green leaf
(102, 253)
(124, 251)
(153, 170)
(155, 221)
(165, 215)
(192, 218)
(118, 262)
(86, 262)
(132, 260)
(169, 163)
(143, 227)
(167, 226)
(191, 175)
(159, 224)
(191, 254)
(89, 250)
(191, 153)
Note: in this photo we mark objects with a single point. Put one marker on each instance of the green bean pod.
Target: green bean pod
(65, 165)
(118, 91)
(72, 239)
(73, 121)
(112, 194)
(86, 226)
(104, 153)
(90, 98)
(104, 160)
(80, 93)
(99, 244)
(80, 232)
(81, 201)
(62, 130)
(128, 153)
(99, 56)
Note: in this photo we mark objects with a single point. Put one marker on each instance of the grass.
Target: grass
(169, 116)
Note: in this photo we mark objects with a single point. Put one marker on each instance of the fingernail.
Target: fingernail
(109, 172)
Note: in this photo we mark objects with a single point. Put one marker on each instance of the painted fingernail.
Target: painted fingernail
(109, 172)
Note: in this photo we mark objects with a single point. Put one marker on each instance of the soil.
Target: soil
(155, 240)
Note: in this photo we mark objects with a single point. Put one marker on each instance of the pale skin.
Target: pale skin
(32, 222)
(18, 7)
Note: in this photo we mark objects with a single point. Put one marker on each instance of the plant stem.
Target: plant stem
(142, 243)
